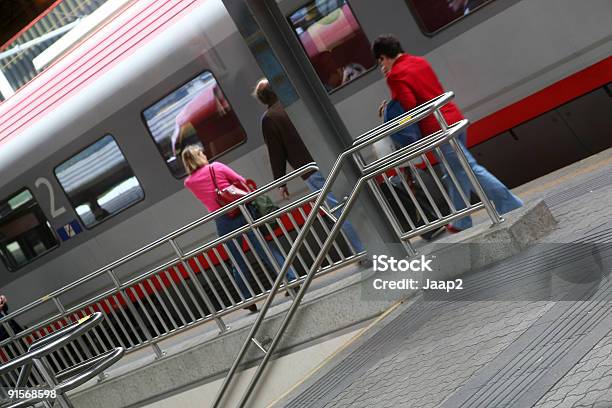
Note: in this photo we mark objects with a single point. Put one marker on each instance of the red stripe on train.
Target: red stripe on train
(161, 281)
(549, 98)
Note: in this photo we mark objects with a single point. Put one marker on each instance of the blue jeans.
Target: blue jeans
(407, 135)
(315, 183)
(225, 225)
(497, 192)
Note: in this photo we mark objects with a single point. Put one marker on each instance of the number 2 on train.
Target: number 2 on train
(55, 212)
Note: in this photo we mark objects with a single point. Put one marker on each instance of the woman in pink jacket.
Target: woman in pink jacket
(201, 184)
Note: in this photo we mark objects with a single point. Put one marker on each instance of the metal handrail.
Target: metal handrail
(62, 382)
(414, 150)
(407, 118)
(68, 334)
(185, 256)
(151, 246)
(164, 240)
(129, 322)
(446, 134)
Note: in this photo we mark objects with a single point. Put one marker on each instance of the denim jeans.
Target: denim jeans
(497, 192)
(407, 135)
(225, 225)
(315, 183)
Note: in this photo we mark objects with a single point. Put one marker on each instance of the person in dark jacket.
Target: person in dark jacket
(286, 146)
(412, 82)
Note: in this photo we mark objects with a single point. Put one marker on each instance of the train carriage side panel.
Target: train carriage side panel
(501, 53)
(113, 104)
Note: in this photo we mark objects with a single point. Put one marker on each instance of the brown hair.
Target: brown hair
(264, 92)
(191, 158)
(386, 45)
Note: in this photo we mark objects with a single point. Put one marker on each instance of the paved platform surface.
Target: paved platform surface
(534, 330)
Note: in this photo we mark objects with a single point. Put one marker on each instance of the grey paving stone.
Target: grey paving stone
(457, 343)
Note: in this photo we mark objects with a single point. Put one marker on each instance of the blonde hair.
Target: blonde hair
(191, 159)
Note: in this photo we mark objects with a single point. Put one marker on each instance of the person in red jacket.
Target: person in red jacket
(412, 82)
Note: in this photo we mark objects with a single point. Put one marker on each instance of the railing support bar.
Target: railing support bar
(51, 381)
(222, 326)
(306, 283)
(288, 261)
(493, 214)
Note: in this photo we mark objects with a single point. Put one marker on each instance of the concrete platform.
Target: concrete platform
(325, 311)
(535, 331)
(337, 311)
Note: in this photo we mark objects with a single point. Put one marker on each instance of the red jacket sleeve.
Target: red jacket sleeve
(401, 92)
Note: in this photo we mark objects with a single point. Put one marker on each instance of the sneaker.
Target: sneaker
(431, 235)
(451, 229)
(251, 308)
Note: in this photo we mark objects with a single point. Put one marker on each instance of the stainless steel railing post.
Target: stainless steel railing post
(262, 243)
(292, 253)
(222, 326)
(52, 382)
(368, 172)
(493, 214)
(305, 284)
(389, 213)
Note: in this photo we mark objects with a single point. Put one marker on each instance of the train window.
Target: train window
(434, 15)
(99, 182)
(333, 40)
(25, 233)
(195, 113)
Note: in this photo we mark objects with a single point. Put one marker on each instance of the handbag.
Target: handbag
(229, 194)
(261, 206)
(264, 205)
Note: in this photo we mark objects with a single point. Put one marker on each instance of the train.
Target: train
(89, 148)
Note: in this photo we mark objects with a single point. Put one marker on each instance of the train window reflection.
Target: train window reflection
(195, 113)
(99, 182)
(434, 15)
(333, 40)
(25, 233)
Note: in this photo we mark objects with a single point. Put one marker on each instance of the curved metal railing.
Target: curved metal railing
(58, 384)
(196, 285)
(189, 286)
(368, 172)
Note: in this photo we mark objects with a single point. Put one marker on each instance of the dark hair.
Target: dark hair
(265, 93)
(387, 45)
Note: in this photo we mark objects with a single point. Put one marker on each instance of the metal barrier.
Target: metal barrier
(53, 387)
(413, 216)
(195, 285)
(368, 173)
(190, 287)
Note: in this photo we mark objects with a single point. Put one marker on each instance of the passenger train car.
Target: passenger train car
(88, 149)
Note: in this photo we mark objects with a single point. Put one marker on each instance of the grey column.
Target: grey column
(262, 20)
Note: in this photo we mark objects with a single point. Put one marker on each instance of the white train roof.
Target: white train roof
(125, 57)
